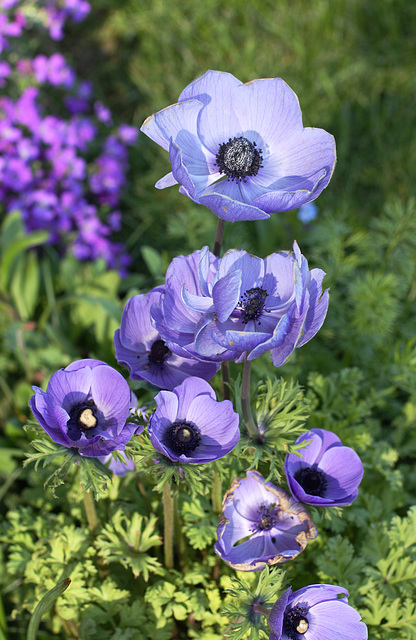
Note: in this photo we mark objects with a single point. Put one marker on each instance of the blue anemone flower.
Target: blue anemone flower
(316, 612)
(241, 149)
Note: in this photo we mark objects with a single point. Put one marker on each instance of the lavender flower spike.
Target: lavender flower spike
(241, 149)
(86, 406)
(189, 425)
(261, 525)
(317, 612)
(327, 474)
(140, 347)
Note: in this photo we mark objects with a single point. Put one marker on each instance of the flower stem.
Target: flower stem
(225, 373)
(218, 237)
(245, 403)
(258, 608)
(90, 510)
(168, 525)
(46, 602)
(216, 493)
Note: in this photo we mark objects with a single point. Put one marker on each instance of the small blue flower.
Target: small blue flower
(328, 474)
(86, 406)
(189, 425)
(308, 212)
(241, 149)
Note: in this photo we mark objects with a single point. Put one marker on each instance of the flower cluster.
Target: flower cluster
(47, 169)
(241, 150)
(219, 309)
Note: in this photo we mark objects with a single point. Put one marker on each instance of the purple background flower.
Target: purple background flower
(316, 612)
(189, 425)
(327, 474)
(253, 134)
(261, 525)
(86, 406)
(140, 347)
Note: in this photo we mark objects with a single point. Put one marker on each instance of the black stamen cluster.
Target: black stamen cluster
(292, 622)
(159, 352)
(268, 517)
(79, 418)
(252, 303)
(183, 436)
(312, 480)
(239, 158)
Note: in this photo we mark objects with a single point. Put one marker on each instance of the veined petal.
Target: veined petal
(226, 208)
(164, 125)
(197, 303)
(209, 87)
(225, 294)
(167, 181)
(270, 108)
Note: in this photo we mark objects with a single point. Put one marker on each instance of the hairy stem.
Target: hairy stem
(90, 510)
(260, 609)
(219, 234)
(168, 525)
(245, 403)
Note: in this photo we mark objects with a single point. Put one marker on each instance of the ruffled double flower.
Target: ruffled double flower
(219, 309)
(241, 149)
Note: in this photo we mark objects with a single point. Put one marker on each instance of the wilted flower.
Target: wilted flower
(241, 149)
(140, 347)
(242, 303)
(86, 407)
(316, 612)
(189, 425)
(327, 474)
(261, 525)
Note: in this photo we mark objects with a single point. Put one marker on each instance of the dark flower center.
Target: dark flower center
(82, 419)
(268, 515)
(183, 436)
(252, 304)
(239, 158)
(295, 622)
(312, 480)
(159, 352)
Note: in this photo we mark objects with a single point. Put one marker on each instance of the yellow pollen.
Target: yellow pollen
(302, 626)
(88, 419)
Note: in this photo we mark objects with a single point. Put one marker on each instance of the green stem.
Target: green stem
(46, 602)
(90, 510)
(225, 373)
(245, 403)
(216, 493)
(219, 234)
(168, 525)
(260, 609)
